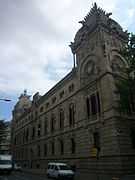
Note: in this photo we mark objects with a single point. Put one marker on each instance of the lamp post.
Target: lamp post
(3, 99)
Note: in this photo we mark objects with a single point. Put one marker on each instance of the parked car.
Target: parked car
(59, 171)
(17, 167)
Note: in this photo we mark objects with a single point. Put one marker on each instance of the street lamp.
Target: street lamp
(3, 99)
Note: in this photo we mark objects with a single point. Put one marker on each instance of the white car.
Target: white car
(17, 167)
(59, 171)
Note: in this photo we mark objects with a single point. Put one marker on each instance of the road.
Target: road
(22, 176)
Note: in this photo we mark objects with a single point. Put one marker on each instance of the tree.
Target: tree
(3, 127)
(126, 84)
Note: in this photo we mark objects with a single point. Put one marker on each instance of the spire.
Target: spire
(95, 11)
(97, 17)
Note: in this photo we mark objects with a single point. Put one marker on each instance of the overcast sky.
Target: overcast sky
(34, 42)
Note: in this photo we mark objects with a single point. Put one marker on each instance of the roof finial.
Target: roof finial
(95, 5)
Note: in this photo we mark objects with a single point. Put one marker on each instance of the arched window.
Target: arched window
(71, 114)
(61, 119)
(93, 104)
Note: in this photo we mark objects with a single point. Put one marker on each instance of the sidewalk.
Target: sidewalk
(128, 177)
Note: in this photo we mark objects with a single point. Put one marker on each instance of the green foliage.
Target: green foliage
(126, 85)
(3, 127)
(129, 52)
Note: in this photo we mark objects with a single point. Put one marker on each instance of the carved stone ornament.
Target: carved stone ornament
(89, 68)
(97, 17)
(117, 64)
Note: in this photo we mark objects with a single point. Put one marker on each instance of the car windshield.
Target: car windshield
(63, 167)
(5, 162)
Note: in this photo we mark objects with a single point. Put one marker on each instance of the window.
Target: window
(71, 88)
(47, 104)
(61, 94)
(33, 132)
(41, 109)
(32, 117)
(71, 114)
(53, 148)
(61, 147)
(39, 130)
(73, 146)
(96, 138)
(53, 100)
(15, 141)
(61, 118)
(88, 106)
(38, 150)
(45, 149)
(93, 104)
(27, 135)
(31, 152)
(56, 168)
(36, 114)
(132, 135)
(45, 126)
(52, 123)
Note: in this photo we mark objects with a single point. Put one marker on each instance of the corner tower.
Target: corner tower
(96, 44)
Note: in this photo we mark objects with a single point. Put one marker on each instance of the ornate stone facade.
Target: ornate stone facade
(77, 120)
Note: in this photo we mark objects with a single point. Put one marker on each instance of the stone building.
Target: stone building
(77, 121)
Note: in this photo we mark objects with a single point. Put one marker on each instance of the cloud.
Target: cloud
(35, 35)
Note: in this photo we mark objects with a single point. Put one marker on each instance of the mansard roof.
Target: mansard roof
(95, 18)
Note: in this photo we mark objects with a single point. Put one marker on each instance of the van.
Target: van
(60, 171)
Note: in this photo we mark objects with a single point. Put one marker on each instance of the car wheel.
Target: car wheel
(59, 177)
(48, 176)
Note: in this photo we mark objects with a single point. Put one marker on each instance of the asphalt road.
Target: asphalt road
(22, 176)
